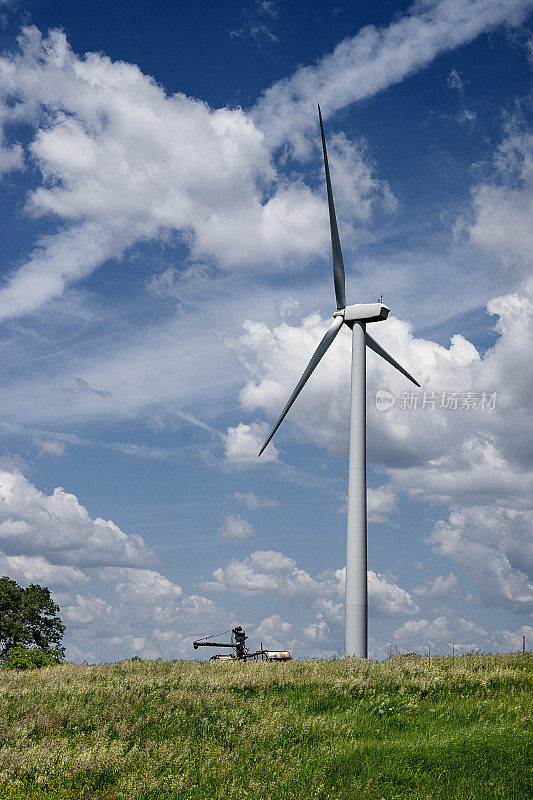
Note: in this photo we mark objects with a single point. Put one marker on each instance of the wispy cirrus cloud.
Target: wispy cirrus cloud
(375, 58)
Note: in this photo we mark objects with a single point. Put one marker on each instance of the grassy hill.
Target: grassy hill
(344, 729)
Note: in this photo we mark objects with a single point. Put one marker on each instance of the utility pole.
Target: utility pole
(523, 645)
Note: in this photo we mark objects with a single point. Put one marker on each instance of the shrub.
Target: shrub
(19, 657)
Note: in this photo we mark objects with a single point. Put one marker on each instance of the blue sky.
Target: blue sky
(166, 276)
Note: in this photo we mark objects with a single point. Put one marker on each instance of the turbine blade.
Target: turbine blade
(330, 334)
(338, 263)
(377, 348)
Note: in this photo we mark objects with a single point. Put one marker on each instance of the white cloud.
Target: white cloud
(381, 503)
(258, 21)
(272, 631)
(244, 578)
(435, 454)
(11, 158)
(286, 307)
(317, 633)
(57, 260)
(244, 441)
(123, 162)
(511, 641)
(357, 190)
(144, 614)
(276, 358)
(386, 599)
(440, 587)
(375, 58)
(493, 546)
(464, 635)
(529, 49)
(455, 81)
(502, 206)
(50, 447)
(235, 528)
(58, 528)
(82, 610)
(465, 117)
(35, 569)
(442, 632)
(138, 585)
(253, 501)
(269, 570)
(47, 538)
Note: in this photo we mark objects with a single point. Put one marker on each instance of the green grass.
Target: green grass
(458, 728)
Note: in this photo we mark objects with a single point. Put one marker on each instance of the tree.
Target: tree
(19, 657)
(28, 618)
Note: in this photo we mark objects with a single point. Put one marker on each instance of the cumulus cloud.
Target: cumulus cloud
(381, 503)
(253, 501)
(449, 442)
(440, 587)
(452, 632)
(243, 443)
(235, 528)
(58, 528)
(273, 632)
(36, 569)
(269, 570)
(150, 626)
(82, 610)
(142, 584)
(98, 576)
(511, 641)
(493, 546)
(276, 359)
(441, 632)
(122, 162)
(502, 205)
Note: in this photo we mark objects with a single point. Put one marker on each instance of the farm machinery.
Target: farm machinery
(242, 653)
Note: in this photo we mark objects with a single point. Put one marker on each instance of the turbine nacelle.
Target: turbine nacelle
(364, 312)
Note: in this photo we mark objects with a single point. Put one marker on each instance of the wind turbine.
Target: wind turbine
(355, 317)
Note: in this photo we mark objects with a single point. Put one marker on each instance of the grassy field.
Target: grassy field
(458, 728)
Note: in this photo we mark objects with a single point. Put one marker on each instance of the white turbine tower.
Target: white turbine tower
(355, 317)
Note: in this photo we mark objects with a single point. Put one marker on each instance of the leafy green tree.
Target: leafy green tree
(28, 619)
(19, 657)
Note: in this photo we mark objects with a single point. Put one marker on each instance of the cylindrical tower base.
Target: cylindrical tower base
(356, 625)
